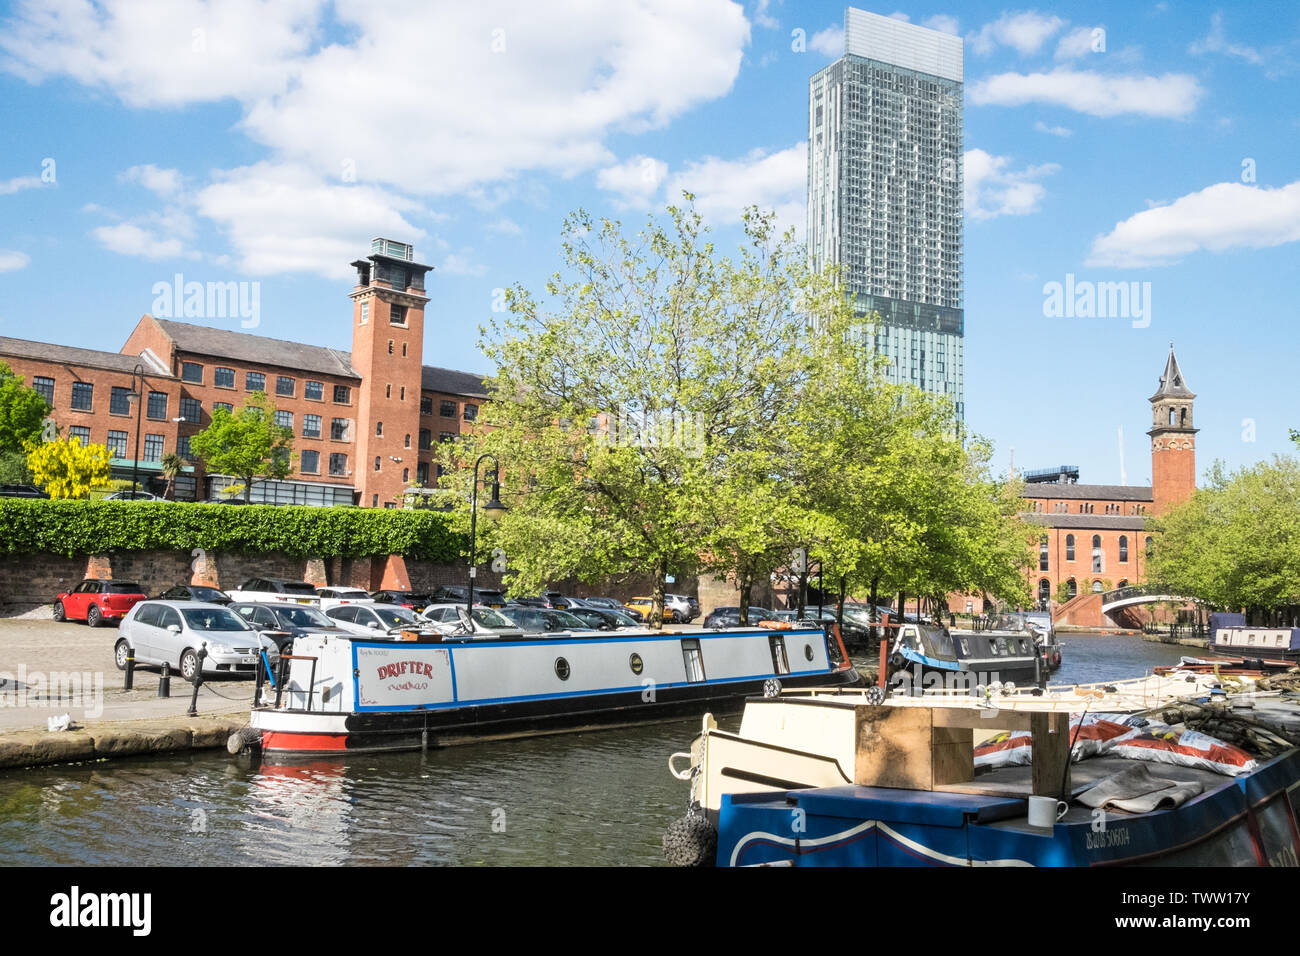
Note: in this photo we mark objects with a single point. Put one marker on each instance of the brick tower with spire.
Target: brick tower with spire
(1173, 439)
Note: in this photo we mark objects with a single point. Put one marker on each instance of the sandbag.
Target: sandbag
(1184, 748)
(1091, 736)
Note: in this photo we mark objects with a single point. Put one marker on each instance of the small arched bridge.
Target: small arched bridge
(1121, 598)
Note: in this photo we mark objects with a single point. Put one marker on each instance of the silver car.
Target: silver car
(172, 632)
(451, 620)
(377, 620)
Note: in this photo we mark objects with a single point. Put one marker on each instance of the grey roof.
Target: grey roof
(1088, 492)
(1095, 522)
(1172, 383)
(71, 355)
(452, 382)
(243, 347)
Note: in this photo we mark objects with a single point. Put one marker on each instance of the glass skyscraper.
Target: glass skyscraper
(885, 191)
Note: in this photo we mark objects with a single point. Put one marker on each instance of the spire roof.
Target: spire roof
(1172, 383)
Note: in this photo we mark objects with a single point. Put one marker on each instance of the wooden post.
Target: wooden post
(1051, 754)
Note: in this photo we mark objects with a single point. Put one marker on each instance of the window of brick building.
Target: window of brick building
(426, 438)
(191, 372)
(223, 377)
(1042, 553)
(191, 409)
(284, 385)
(1096, 554)
(224, 406)
(446, 436)
(447, 409)
(83, 396)
(471, 412)
(342, 395)
(117, 443)
(119, 401)
(311, 426)
(45, 386)
(1069, 547)
(284, 418)
(1123, 549)
(254, 382)
(157, 407)
(377, 463)
(313, 390)
(379, 429)
(153, 447)
(426, 405)
(339, 429)
(338, 464)
(81, 432)
(310, 463)
(183, 447)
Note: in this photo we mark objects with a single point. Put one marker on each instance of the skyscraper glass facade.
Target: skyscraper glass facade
(885, 191)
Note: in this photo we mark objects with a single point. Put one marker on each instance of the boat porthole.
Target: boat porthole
(635, 663)
(561, 668)
(807, 651)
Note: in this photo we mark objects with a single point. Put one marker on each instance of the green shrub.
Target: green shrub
(96, 527)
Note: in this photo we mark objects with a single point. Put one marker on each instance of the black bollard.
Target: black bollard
(129, 682)
(165, 682)
(198, 682)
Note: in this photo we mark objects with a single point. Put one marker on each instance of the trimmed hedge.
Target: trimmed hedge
(96, 527)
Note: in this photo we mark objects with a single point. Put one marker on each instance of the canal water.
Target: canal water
(598, 799)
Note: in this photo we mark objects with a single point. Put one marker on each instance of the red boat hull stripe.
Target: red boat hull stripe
(279, 740)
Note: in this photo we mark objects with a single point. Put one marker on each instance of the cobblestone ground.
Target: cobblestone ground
(48, 669)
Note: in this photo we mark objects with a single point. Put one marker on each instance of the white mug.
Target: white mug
(1045, 811)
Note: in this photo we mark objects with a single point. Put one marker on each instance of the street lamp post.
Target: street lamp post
(493, 508)
(137, 393)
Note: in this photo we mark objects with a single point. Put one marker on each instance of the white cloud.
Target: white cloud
(430, 99)
(1079, 43)
(943, 23)
(1216, 42)
(993, 188)
(164, 54)
(164, 182)
(1053, 130)
(284, 218)
(12, 261)
(762, 17)
(774, 181)
(1086, 91)
(1215, 219)
(635, 180)
(10, 186)
(505, 226)
(1025, 31)
(131, 239)
(461, 265)
(828, 42)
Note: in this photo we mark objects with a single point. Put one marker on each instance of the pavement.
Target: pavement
(48, 669)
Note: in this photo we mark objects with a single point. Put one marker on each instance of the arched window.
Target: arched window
(1044, 591)
(406, 475)
(1150, 543)
(1096, 587)
(379, 429)
(407, 441)
(1123, 583)
(1073, 587)
(1069, 547)
(1096, 554)
(1042, 553)
(1123, 549)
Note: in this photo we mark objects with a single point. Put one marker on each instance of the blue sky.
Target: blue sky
(268, 142)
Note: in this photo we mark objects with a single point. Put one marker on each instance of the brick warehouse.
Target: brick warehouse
(364, 422)
(1095, 536)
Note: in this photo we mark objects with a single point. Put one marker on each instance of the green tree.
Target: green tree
(22, 413)
(67, 469)
(246, 444)
(1236, 542)
(172, 465)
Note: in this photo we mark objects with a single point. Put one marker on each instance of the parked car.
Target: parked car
(376, 620)
(415, 600)
(602, 618)
(21, 491)
(604, 602)
(194, 592)
(687, 608)
(283, 622)
(275, 589)
(333, 597)
(459, 594)
(96, 600)
(730, 616)
(172, 632)
(644, 605)
(543, 620)
(450, 620)
(136, 495)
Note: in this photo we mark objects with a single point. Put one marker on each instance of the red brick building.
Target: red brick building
(1095, 536)
(365, 422)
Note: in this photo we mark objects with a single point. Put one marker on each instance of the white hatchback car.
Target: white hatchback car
(377, 620)
(335, 597)
(172, 632)
(451, 620)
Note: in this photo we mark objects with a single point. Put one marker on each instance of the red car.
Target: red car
(96, 601)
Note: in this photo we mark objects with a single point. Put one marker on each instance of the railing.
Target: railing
(1133, 590)
(284, 675)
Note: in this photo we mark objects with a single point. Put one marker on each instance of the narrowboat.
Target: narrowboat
(1244, 641)
(346, 693)
(924, 656)
(852, 779)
